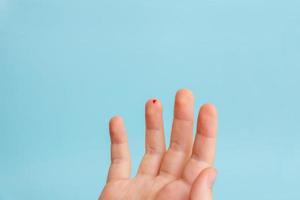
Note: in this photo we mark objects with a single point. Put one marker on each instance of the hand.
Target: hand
(182, 172)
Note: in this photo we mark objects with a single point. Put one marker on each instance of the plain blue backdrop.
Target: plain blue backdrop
(67, 66)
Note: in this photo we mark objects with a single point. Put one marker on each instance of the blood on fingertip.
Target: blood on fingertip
(154, 100)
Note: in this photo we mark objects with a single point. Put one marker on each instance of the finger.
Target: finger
(181, 136)
(155, 141)
(205, 143)
(120, 156)
(202, 187)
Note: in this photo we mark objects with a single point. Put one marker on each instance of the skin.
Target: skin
(183, 171)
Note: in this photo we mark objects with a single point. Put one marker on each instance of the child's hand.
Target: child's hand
(182, 172)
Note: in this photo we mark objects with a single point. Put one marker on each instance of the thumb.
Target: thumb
(202, 187)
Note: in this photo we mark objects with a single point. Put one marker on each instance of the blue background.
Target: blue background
(67, 66)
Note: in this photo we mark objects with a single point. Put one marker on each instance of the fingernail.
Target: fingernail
(211, 178)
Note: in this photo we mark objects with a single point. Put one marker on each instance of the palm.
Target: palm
(182, 172)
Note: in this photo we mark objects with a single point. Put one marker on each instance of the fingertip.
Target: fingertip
(211, 175)
(209, 109)
(209, 171)
(116, 121)
(184, 95)
(206, 178)
(153, 108)
(207, 120)
(184, 105)
(117, 129)
(153, 103)
(203, 185)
